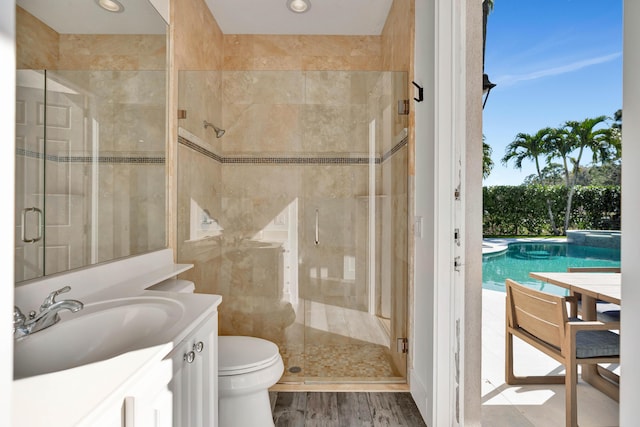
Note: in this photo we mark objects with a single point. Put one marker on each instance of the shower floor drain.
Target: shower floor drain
(295, 369)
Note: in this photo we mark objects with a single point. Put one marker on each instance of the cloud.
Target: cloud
(554, 71)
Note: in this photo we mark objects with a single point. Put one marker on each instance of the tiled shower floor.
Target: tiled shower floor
(337, 345)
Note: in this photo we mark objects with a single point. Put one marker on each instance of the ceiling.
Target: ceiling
(86, 17)
(334, 17)
(331, 17)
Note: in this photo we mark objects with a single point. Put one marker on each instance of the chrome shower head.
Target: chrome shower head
(219, 132)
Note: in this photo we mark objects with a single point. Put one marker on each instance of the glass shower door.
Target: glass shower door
(344, 339)
(353, 243)
(352, 277)
(68, 172)
(51, 177)
(30, 172)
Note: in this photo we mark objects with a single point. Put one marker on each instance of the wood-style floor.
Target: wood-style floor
(344, 409)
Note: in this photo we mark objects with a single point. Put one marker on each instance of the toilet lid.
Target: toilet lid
(238, 354)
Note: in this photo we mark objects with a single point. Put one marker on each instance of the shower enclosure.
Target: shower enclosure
(89, 168)
(297, 215)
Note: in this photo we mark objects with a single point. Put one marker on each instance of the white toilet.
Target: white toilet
(247, 367)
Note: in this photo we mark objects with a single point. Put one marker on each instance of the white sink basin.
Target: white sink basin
(98, 332)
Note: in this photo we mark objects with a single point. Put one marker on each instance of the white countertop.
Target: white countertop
(65, 398)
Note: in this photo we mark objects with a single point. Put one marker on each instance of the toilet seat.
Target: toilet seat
(239, 355)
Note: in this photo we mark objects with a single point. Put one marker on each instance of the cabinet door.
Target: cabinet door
(195, 377)
(146, 403)
(179, 386)
(205, 375)
(148, 411)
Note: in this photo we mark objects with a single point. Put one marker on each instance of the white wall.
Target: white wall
(630, 381)
(7, 156)
(448, 127)
(421, 373)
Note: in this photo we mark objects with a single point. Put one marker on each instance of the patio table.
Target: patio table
(592, 287)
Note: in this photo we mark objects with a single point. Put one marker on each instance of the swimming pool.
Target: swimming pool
(520, 258)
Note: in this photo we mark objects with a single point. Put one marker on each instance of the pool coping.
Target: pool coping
(492, 246)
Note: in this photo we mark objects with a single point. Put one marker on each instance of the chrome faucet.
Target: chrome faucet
(48, 315)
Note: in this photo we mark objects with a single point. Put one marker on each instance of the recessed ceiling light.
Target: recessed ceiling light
(111, 5)
(299, 6)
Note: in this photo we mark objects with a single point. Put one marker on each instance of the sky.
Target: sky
(552, 61)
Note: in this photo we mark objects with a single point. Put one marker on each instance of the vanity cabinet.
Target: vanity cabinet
(143, 400)
(195, 377)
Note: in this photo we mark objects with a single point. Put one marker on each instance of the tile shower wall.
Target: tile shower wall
(41, 47)
(36, 43)
(127, 114)
(104, 163)
(295, 153)
(200, 98)
(302, 52)
(116, 118)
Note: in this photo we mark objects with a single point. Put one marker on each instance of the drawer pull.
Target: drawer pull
(190, 357)
(198, 347)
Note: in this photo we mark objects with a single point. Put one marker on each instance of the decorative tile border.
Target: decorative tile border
(112, 159)
(29, 153)
(184, 141)
(311, 160)
(302, 160)
(386, 156)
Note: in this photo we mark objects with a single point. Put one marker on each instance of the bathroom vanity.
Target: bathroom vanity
(130, 357)
(195, 374)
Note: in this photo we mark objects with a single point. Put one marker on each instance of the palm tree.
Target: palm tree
(558, 145)
(575, 137)
(487, 163)
(552, 174)
(531, 147)
(617, 119)
(616, 128)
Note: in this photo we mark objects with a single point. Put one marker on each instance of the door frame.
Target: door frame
(448, 187)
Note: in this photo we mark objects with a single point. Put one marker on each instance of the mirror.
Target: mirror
(91, 102)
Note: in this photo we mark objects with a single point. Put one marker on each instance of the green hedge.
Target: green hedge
(522, 210)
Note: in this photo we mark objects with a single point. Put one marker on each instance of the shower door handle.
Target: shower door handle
(38, 237)
(317, 227)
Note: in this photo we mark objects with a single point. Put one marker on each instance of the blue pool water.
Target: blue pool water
(523, 257)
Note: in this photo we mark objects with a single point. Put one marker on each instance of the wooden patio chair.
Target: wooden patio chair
(541, 320)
